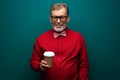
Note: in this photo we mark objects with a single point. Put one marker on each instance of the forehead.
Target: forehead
(60, 12)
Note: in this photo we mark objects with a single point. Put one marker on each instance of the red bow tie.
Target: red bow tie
(59, 34)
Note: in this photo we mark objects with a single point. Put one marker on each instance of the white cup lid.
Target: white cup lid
(49, 54)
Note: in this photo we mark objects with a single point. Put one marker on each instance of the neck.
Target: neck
(58, 32)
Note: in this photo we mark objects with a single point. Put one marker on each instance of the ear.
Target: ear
(68, 19)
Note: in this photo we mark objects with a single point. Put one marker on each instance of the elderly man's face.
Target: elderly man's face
(59, 19)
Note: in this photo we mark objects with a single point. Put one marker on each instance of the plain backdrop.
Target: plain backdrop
(22, 21)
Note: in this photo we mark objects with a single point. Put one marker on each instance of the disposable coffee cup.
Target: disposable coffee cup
(49, 56)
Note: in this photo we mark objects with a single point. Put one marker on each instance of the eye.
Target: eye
(62, 18)
(53, 17)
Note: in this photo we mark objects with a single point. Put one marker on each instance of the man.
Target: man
(70, 61)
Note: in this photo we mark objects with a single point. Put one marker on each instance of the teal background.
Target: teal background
(21, 21)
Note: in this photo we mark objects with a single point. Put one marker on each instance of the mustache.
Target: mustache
(58, 24)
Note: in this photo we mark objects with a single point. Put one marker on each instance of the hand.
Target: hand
(43, 65)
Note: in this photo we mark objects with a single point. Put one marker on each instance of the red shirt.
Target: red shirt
(70, 61)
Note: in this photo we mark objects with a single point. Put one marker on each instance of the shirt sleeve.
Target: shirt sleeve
(83, 62)
(36, 57)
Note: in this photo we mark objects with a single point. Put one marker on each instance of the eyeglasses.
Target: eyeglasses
(62, 18)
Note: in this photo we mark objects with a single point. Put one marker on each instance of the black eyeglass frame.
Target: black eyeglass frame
(62, 18)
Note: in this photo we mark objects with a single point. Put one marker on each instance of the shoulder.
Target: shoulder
(76, 34)
(44, 35)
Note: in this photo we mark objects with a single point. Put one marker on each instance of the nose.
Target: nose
(58, 20)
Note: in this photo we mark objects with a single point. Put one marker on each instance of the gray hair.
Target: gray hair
(58, 6)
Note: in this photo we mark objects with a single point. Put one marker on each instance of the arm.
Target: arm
(83, 63)
(37, 63)
(36, 57)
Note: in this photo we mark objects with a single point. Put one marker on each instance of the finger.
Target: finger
(42, 68)
(43, 62)
(44, 65)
